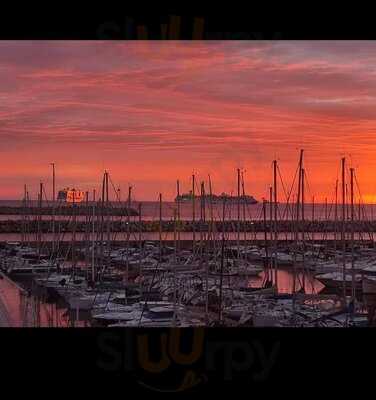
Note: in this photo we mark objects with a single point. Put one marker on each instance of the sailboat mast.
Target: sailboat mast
(53, 208)
(73, 257)
(23, 237)
(140, 245)
(202, 208)
(108, 224)
(313, 219)
(204, 249)
(244, 214)
(128, 232)
(222, 260)
(275, 222)
(299, 195)
(212, 226)
(160, 227)
(352, 233)
(174, 268)
(326, 210)
(102, 221)
(238, 215)
(266, 265)
(303, 227)
(87, 230)
(297, 223)
(343, 239)
(178, 212)
(53, 182)
(106, 188)
(93, 249)
(360, 236)
(272, 252)
(336, 220)
(40, 218)
(28, 219)
(347, 201)
(193, 215)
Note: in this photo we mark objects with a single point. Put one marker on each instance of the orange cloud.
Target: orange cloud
(153, 112)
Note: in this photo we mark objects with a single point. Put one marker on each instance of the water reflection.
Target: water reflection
(285, 281)
(29, 310)
(26, 310)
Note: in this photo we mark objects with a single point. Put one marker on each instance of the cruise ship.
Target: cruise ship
(71, 195)
(185, 197)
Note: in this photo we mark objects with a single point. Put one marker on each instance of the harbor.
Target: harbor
(223, 265)
(196, 187)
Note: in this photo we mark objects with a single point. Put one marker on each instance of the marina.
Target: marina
(204, 185)
(222, 268)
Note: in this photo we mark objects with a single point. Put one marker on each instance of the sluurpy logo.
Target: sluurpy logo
(155, 361)
(172, 30)
(173, 360)
(130, 29)
(178, 360)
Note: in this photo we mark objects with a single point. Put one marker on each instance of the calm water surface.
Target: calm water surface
(150, 211)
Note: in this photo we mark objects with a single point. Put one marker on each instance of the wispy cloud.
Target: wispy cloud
(154, 111)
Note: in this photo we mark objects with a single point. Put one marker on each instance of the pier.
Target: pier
(121, 225)
(66, 209)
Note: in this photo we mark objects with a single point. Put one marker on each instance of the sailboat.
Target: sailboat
(369, 284)
(335, 279)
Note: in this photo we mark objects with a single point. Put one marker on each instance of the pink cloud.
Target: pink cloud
(152, 112)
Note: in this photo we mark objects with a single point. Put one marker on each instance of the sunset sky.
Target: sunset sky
(151, 112)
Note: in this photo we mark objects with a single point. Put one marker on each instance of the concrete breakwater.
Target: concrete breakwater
(77, 209)
(45, 226)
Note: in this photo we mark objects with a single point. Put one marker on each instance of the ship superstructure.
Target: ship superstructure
(218, 198)
(69, 195)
